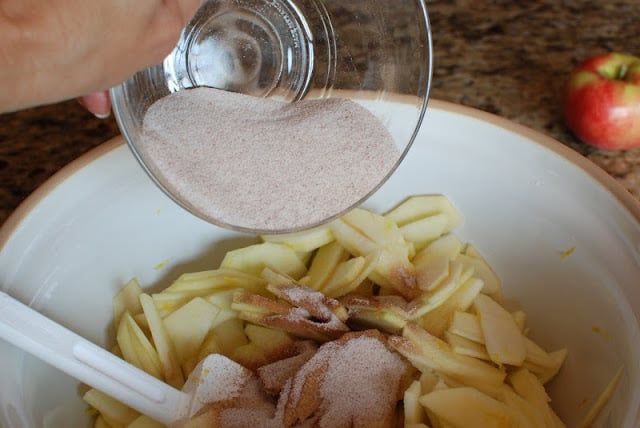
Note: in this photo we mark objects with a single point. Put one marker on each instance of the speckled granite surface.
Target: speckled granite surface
(508, 57)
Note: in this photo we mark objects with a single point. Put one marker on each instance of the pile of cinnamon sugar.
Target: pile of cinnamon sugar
(354, 381)
(264, 164)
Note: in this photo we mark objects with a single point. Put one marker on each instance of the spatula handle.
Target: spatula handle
(78, 357)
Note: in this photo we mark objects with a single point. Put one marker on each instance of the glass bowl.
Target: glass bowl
(377, 53)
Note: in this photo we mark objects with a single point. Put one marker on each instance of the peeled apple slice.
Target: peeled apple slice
(503, 338)
(468, 407)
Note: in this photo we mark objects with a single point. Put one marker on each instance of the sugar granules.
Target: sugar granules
(262, 164)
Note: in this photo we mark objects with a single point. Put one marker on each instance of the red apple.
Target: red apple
(602, 101)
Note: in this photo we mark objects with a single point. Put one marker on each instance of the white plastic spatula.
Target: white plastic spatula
(78, 357)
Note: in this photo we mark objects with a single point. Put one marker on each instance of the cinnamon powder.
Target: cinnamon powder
(262, 164)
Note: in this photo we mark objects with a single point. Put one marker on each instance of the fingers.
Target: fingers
(98, 103)
(187, 9)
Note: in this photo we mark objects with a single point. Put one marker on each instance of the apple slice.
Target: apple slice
(468, 407)
(265, 346)
(324, 263)
(114, 412)
(413, 410)
(362, 233)
(304, 241)
(188, 326)
(527, 385)
(530, 413)
(307, 314)
(463, 346)
(545, 374)
(432, 263)
(198, 284)
(502, 336)
(209, 346)
(467, 325)
(430, 300)
(222, 300)
(376, 312)
(165, 347)
(126, 300)
(521, 319)
(418, 207)
(254, 258)
(349, 274)
(143, 421)
(492, 283)
(437, 320)
(601, 401)
(136, 347)
(427, 352)
(230, 335)
(422, 232)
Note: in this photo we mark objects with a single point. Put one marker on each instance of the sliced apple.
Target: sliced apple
(304, 241)
(230, 335)
(546, 373)
(254, 258)
(463, 346)
(114, 412)
(531, 414)
(223, 300)
(601, 401)
(437, 320)
(136, 347)
(277, 278)
(430, 300)
(126, 300)
(143, 421)
(349, 274)
(362, 233)
(172, 373)
(210, 345)
(492, 283)
(324, 263)
(198, 284)
(376, 312)
(419, 207)
(528, 386)
(468, 407)
(422, 232)
(467, 325)
(188, 326)
(265, 346)
(413, 410)
(426, 351)
(521, 319)
(502, 336)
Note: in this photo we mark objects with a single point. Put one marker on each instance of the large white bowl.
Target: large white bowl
(526, 199)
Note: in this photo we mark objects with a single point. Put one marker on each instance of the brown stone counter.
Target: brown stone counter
(508, 57)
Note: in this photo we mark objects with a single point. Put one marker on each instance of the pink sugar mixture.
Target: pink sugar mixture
(261, 164)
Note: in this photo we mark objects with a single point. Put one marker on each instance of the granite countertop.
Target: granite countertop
(508, 57)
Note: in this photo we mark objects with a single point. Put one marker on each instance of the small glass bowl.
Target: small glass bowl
(375, 52)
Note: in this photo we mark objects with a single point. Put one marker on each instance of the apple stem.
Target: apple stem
(622, 71)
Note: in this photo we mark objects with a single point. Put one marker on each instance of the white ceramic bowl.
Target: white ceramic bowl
(525, 197)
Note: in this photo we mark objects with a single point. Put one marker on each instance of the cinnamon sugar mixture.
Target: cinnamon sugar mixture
(355, 381)
(263, 164)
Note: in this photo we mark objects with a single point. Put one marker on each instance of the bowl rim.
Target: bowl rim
(631, 203)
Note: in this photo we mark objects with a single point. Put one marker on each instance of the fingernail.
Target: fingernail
(102, 115)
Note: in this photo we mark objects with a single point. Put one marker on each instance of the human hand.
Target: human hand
(98, 103)
(62, 49)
